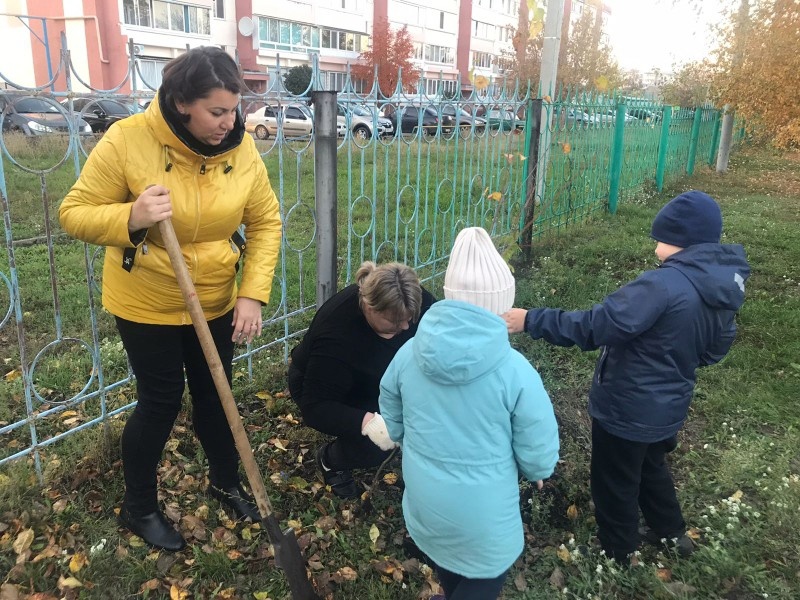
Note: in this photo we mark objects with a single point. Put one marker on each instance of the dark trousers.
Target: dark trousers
(159, 356)
(627, 476)
(458, 587)
(347, 451)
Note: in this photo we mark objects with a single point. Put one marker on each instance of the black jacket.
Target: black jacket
(655, 331)
(340, 362)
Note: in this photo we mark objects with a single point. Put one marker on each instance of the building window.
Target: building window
(277, 34)
(417, 50)
(483, 30)
(447, 87)
(150, 70)
(482, 60)
(441, 20)
(440, 54)
(167, 15)
(219, 9)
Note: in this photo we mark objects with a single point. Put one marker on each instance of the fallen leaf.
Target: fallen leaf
(496, 196)
(23, 541)
(8, 592)
(572, 512)
(176, 593)
(563, 553)
(264, 395)
(519, 582)
(374, 533)
(566, 147)
(68, 582)
(557, 579)
(664, 574)
(694, 533)
(737, 495)
(13, 375)
(77, 562)
(390, 478)
(150, 584)
(347, 573)
(261, 595)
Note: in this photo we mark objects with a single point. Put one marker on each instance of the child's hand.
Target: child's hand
(515, 319)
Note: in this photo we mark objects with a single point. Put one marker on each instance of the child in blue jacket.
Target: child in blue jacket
(654, 333)
(470, 413)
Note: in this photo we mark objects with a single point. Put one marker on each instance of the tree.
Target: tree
(297, 79)
(587, 60)
(690, 85)
(761, 80)
(525, 62)
(390, 52)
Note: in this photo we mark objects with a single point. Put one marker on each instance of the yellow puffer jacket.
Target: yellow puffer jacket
(208, 205)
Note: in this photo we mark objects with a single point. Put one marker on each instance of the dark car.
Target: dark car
(464, 121)
(100, 114)
(412, 118)
(37, 116)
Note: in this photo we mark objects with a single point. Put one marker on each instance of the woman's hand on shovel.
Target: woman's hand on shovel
(246, 320)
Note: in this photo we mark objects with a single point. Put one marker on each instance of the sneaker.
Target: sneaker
(341, 482)
(680, 542)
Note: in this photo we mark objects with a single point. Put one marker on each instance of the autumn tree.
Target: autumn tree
(587, 60)
(689, 86)
(390, 52)
(524, 63)
(761, 80)
(297, 79)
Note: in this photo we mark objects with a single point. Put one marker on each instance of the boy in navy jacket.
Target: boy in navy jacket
(654, 333)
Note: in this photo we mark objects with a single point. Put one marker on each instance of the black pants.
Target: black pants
(458, 587)
(158, 355)
(627, 476)
(347, 451)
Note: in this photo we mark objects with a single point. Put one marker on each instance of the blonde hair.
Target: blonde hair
(392, 288)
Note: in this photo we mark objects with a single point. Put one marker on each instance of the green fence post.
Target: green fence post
(616, 158)
(661, 165)
(698, 118)
(712, 152)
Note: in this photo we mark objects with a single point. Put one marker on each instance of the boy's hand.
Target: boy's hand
(515, 319)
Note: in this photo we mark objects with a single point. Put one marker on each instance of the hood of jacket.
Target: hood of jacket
(717, 272)
(457, 342)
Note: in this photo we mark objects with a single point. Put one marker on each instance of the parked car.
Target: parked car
(644, 114)
(465, 121)
(368, 114)
(503, 120)
(409, 119)
(295, 119)
(37, 116)
(100, 114)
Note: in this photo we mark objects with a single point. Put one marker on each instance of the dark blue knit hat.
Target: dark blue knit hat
(691, 218)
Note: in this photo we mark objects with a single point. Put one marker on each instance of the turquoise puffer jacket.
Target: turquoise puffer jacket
(470, 413)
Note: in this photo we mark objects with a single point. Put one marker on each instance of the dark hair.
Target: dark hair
(196, 73)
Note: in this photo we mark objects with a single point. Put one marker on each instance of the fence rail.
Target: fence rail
(402, 195)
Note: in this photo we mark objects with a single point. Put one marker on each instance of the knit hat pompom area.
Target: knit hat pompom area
(691, 218)
(477, 274)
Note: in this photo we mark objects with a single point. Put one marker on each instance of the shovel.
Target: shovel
(284, 543)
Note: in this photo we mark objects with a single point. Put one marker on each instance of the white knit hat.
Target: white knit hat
(478, 274)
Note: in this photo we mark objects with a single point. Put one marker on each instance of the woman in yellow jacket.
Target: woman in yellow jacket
(186, 158)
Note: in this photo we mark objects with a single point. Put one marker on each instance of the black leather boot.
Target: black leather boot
(153, 528)
(235, 500)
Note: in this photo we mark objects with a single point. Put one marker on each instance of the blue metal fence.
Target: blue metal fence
(412, 171)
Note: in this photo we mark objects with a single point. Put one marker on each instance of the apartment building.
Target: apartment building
(451, 37)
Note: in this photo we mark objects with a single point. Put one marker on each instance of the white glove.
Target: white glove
(376, 430)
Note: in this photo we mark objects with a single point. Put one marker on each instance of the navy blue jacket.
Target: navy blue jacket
(655, 331)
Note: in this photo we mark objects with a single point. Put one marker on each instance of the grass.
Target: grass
(736, 467)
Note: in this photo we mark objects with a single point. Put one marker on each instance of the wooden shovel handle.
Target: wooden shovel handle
(215, 366)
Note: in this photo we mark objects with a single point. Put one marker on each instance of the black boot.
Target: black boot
(153, 528)
(236, 501)
(341, 482)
